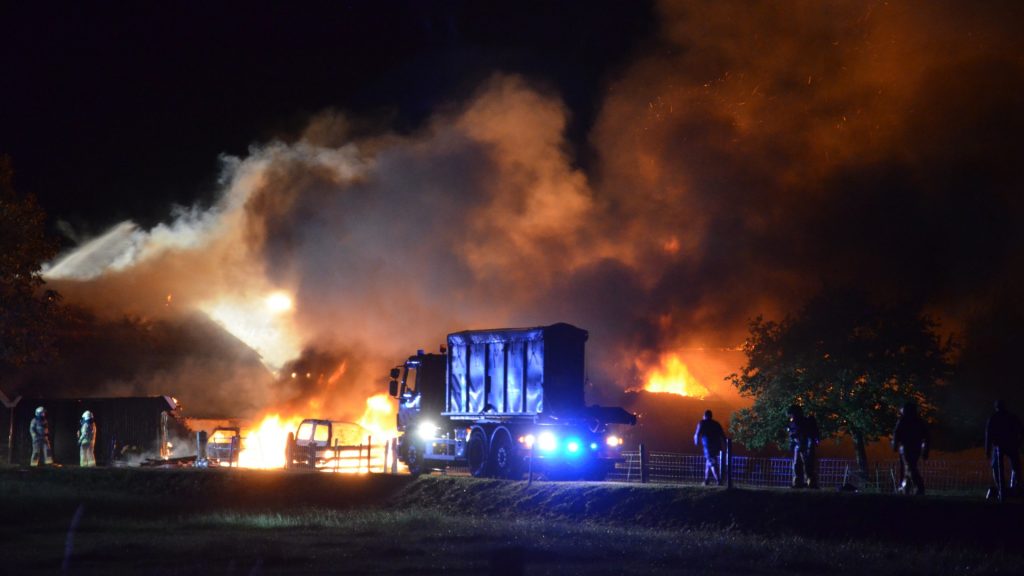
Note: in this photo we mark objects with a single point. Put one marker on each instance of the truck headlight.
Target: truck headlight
(529, 440)
(426, 430)
(613, 441)
(547, 442)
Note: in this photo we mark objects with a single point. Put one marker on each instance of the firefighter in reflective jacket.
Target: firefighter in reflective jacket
(910, 439)
(87, 440)
(39, 429)
(803, 440)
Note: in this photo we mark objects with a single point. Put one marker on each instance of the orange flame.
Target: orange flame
(379, 418)
(672, 376)
(264, 446)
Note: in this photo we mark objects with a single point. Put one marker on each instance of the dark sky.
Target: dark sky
(117, 112)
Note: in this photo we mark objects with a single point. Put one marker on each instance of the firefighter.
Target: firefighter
(710, 435)
(803, 440)
(910, 439)
(1003, 435)
(39, 429)
(87, 440)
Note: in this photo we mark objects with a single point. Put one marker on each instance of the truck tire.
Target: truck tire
(504, 462)
(414, 459)
(476, 454)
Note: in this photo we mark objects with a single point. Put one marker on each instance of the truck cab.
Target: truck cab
(419, 385)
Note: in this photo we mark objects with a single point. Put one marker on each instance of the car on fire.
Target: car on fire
(224, 446)
(331, 445)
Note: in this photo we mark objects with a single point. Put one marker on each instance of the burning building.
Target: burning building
(753, 155)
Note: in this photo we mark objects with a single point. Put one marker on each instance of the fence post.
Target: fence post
(644, 465)
(369, 449)
(728, 463)
(394, 455)
(529, 472)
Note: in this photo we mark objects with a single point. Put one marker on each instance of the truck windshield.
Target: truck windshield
(305, 431)
(409, 377)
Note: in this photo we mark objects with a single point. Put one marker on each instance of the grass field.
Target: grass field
(105, 521)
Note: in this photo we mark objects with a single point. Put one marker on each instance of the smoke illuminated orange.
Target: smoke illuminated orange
(672, 376)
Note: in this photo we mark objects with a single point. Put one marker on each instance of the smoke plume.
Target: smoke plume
(756, 153)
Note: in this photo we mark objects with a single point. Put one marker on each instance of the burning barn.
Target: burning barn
(128, 428)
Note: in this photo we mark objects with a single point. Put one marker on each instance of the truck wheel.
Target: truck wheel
(414, 459)
(476, 454)
(503, 458)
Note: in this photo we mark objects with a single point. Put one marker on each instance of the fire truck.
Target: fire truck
(503, 403)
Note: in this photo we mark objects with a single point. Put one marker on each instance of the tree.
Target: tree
(850, 362)
(28, 311)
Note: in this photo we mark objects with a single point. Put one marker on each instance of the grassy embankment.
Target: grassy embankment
(244, 522)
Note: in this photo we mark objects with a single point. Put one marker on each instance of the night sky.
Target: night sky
(112, 113)
(658, 173)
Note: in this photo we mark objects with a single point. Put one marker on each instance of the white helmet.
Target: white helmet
(40, 411)
(86, 415)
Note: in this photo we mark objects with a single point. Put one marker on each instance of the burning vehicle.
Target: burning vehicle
(334, 446)
(224, 446)
(504, 402)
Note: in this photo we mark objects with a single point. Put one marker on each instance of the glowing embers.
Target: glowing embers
(671, 376)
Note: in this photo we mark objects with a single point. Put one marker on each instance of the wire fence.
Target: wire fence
(762, 472)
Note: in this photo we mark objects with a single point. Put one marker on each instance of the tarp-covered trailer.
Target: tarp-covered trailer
(499, 400)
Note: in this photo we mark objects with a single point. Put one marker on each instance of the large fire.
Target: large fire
(379, 418)
(263, 446)
(672, 376)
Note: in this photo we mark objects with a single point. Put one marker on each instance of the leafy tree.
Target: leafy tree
(28, 311)
(850, 362)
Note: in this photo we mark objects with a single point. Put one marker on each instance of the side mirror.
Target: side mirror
(394, 373)
(393, 387)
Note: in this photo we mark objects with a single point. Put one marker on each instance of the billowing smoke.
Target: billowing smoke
(758, 152)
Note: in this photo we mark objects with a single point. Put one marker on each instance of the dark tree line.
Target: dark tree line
(29, 312)
(850, 361)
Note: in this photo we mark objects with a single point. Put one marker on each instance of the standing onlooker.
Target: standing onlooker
(803, 440)
(710, 434)
(39, 429)
(87, 440)
(1003, 433)
(910, 439)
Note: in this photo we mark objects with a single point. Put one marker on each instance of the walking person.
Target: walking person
(803, 441)
(87, 440)
(39, 430)
(910, 439)
(710, 435)
(1003, 436)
